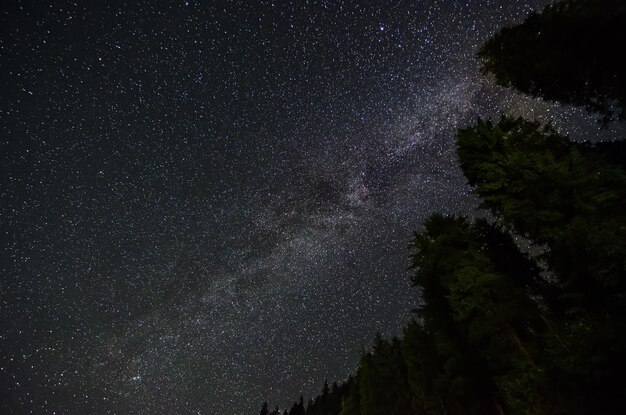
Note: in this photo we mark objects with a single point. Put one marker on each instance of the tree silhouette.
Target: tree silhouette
(571, 53)
(562, 194)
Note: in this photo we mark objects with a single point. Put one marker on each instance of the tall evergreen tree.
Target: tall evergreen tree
(383, 380)
(562, 194)
(568, 197)
(298, 407)
(422, 363)
(571, 53)
(485, 319)
(351, 401)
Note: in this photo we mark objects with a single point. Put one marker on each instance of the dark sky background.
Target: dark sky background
(208, 205)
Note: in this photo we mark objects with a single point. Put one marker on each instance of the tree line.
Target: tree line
(501, 331)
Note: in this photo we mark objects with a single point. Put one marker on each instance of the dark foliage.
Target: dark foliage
(569, 198)
(572, 53)
(562, 194)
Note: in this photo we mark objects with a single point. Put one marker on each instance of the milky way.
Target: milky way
(206, 206)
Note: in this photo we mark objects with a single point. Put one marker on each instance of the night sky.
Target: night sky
(208, 205)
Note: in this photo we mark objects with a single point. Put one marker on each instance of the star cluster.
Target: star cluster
(206, 206)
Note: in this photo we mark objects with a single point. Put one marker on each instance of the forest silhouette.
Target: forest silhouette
(501, 331)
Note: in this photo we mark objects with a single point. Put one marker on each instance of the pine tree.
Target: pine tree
(485, 321)
(570, 53)
(560, 194)
(351, 402)
(569, 198)
(298, 407)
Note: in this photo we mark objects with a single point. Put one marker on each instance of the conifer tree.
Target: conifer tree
(570, 53)
(561, 194)
(489, 321)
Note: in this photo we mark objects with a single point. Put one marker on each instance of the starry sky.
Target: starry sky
(206, 205)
